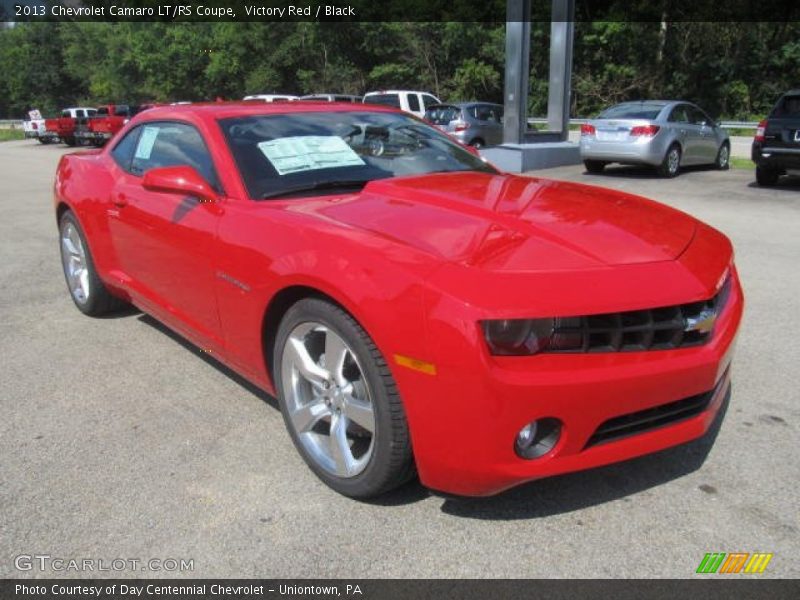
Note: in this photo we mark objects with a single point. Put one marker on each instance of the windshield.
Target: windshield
(788, 106)
(635, 110)
(299, 151)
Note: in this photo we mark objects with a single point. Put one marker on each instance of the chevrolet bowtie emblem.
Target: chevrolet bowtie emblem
(702, 323)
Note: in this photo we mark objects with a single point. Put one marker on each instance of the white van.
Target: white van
(414, 102)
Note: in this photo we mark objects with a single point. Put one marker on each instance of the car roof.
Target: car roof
(398, 92)
(225, 110)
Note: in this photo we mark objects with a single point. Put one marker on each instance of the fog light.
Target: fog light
(537, 438)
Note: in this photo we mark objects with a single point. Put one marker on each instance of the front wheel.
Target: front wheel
(87, 290)
(672, 162)
(477, 144)
(340, 402)
(723, 161)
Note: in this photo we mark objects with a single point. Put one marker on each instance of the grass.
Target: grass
(741, 163)
(7, 135)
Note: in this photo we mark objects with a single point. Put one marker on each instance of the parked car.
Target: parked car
(776, 146)
(666, 134)
(332, 98)
(271, 97)
(107, 121)
(475, 124)
(415, 103)
(393, 289)
(63, 128)
(33, 126)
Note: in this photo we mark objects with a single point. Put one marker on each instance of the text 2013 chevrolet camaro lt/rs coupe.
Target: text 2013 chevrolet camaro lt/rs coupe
(413, 309)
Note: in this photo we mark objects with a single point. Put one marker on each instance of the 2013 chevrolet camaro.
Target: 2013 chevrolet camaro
(413, 309)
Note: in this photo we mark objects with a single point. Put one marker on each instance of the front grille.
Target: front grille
(664, 328)
(652, 418)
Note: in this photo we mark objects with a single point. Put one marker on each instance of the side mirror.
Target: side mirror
(179, 180)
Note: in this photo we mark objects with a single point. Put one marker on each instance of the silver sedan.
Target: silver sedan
(666, 134)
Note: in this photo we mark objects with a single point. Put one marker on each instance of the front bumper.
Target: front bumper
(465, 420)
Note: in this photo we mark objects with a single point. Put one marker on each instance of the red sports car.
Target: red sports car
(413, 309)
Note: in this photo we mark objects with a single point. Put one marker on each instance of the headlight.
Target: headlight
(518, 337)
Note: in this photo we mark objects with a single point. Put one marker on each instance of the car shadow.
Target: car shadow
(209, 360)
(543, 498)
(576, 491)
(645, 172)
(787, 183)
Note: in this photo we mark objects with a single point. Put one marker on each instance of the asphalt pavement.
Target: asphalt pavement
(118, 440)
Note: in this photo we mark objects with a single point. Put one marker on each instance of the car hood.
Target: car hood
(515, 223)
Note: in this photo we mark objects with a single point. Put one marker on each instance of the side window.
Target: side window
(91, 112)
(169, 144)
(698, 117)
(497, 114)
(428, 100)
(679, 115)
(485, 113)
(413, 103)
(122, 153)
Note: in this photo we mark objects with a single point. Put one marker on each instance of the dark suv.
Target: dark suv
(776, 147)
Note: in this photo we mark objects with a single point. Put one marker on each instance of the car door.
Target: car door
(707, 140)
(165, 242)
(491, 124)
(686, 133)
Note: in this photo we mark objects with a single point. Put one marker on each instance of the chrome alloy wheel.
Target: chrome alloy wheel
(73, 258)
(724, 157)
(673, 160)
(328, 400)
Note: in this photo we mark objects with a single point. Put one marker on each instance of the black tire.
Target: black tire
(595, 167)
(44, 141)
(99, 301)
(767, 177)
(391, 462)
(477, 143)
(671, 165)
(723, 161)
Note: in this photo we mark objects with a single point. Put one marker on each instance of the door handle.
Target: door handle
(120, 200)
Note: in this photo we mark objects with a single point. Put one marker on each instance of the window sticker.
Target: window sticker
(308, 153)
(146, 142)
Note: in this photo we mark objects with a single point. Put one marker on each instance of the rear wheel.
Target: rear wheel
(594, 166)
(723, 161)
(70, 141)
(477, 143)
(671, 164)
(340, 402)
(766, 176)
(87, 290)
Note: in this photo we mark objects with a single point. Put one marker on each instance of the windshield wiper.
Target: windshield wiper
(318, 185)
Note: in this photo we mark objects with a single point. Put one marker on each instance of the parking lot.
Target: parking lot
(120, 440)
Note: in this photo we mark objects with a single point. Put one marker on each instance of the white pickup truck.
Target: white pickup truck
(414, 102)
(33, 126)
